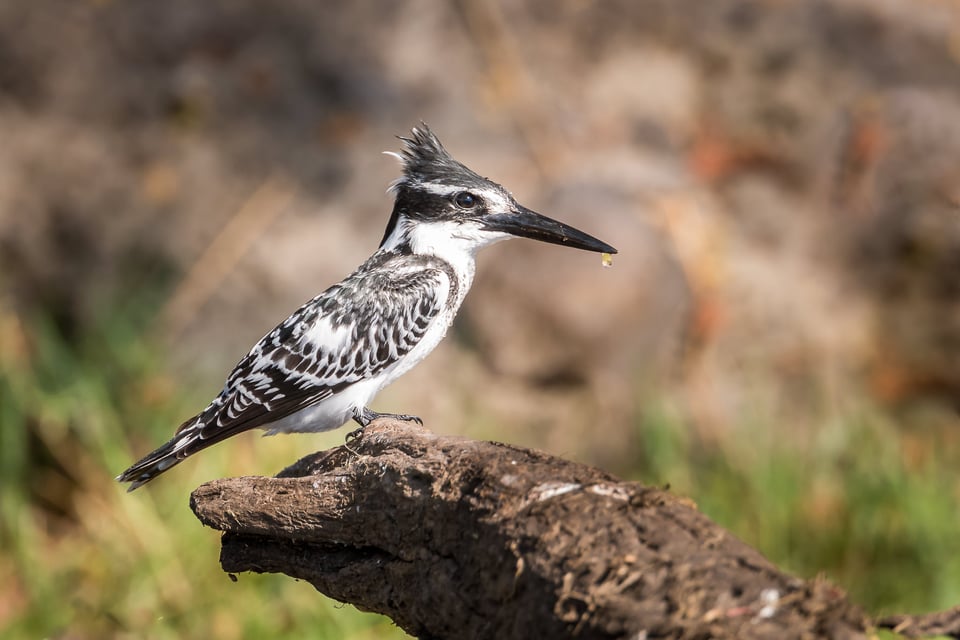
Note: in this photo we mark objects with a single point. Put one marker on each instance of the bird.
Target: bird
(322, 366)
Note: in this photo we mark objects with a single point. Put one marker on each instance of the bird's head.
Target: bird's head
(442, 203)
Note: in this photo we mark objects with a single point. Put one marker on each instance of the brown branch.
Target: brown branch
(454, 538)
(941, 623)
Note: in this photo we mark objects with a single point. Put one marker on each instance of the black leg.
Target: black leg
(365, 416)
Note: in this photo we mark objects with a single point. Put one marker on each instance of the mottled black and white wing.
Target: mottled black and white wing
(349, 333)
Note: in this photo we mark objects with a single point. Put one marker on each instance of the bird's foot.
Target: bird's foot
(352, 437)
(365, 416)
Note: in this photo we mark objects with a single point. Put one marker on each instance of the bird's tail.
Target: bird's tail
(183, 444)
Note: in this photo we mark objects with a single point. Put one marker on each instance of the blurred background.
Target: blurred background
(779, 337)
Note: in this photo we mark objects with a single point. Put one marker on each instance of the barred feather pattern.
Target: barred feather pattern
(356, 330)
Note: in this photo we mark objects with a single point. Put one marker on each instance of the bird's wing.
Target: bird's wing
(352, 331)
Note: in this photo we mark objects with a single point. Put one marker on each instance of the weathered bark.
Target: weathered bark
(454, 538)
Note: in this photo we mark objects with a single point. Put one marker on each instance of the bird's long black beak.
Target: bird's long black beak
(525, 223)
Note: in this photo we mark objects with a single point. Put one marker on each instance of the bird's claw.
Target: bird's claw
(352, 437)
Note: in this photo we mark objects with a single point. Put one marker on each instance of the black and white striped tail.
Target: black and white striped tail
(150, 466)
(186, 442)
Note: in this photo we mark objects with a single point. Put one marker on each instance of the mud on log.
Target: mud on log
(454, 538)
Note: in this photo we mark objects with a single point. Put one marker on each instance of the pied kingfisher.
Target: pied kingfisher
(323, 365)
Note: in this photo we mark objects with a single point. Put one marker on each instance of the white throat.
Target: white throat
(456, 243)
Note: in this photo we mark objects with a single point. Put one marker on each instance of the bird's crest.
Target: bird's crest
(425, 160)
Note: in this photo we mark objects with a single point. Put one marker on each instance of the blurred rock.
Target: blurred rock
(904, 243)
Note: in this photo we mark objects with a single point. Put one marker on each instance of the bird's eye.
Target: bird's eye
(466, 200)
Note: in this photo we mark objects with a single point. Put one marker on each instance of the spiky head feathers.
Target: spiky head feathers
(426, 161)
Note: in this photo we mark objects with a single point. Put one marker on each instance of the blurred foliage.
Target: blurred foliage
(82, 559)
(79, 558)
(846, 499)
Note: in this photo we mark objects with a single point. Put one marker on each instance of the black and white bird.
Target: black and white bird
(324, 364)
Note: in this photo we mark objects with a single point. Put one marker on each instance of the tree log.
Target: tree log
(454, 538)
